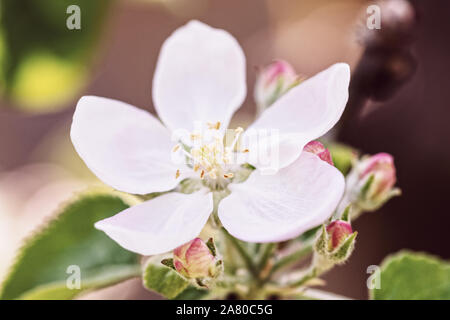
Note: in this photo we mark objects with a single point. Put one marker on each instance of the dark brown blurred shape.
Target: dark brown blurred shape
(387, 62)
(413, 126)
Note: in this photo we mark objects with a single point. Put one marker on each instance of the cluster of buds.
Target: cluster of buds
(272, 82)
(371, 182)
(334, 244)
(319, 150)
(196, 260)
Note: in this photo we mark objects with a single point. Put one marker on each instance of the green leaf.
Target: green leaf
(413, 276)
(162, 279)
(70, 239)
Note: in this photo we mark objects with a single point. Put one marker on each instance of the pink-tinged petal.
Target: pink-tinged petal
(382, 169)
(272, 82)
(303, 114)
(199, 77)
(125, 147)
(161, 224)
(194, 259)
(272, 208)
(338, 231)
(382, 166)
(319, 150)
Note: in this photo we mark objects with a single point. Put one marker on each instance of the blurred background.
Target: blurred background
(398, 101)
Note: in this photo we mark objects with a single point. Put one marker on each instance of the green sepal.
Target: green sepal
(345, 216)
(367, 185)
(321, 245)
(211, 246)
(342, 253)
(168, 263)
(162, 279)
(192, 293)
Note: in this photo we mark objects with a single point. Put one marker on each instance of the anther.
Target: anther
(214, 126)
(196, 152)
(177, 175)
(195, 136)
(175, 148)
(228, 175)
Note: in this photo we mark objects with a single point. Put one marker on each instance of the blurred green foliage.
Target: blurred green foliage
(43, 64)
(40, 268)
(343, 156)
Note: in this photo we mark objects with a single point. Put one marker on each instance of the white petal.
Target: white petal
(125, 147)
(272, 208)
(161, 224)
(199, 77)
(303, 114)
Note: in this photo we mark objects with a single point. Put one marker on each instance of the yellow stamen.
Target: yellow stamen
(195, 136)
(214, 126)
(211, 158)
(175, 148)
(238, 130)
(196, 152)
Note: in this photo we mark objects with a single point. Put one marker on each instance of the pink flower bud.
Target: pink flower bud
(334, 245)
(371, 182)
(194, 260)
(319, 150)
(338, 231)
(381, 166)
(272, 82)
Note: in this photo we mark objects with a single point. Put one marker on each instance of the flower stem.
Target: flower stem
(322, 295)
(291, 258)
(243, 253)
(267, 253)
(311, 274)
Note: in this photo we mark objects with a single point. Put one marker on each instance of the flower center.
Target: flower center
(211, 156)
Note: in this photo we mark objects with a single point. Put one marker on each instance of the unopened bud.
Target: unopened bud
(196, 260)
(371, 182)
(334, 245)
(272, 82)
(338, 231)
(319, 150)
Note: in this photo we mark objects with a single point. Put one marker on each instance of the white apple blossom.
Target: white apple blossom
(200, 79)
